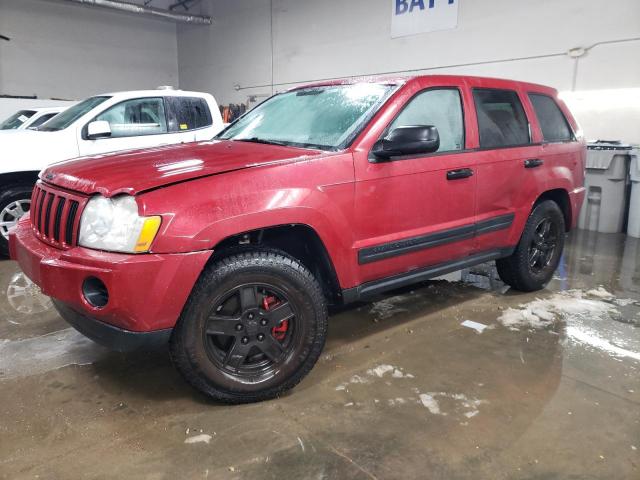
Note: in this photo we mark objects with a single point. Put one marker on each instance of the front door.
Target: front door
(135, 123)
(415, 211)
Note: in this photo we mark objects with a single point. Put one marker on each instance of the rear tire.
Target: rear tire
(253, 327)
(537, 255)
(15, 201)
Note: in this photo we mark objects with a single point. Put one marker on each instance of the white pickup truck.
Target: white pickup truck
(101, 124)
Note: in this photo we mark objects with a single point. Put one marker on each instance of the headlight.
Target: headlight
(113, 224)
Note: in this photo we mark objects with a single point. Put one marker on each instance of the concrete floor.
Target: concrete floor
(551, 389)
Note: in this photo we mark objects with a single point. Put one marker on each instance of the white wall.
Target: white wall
(607, 114)
(64, 50)
(235, 49)
(336, 38)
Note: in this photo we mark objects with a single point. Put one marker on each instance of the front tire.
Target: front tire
(537, 255)
(15, 202)
(253, 327)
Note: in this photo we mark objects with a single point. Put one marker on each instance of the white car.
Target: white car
(29, 118)
(98, 125)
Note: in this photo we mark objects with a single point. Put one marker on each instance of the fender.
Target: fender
(242, 201)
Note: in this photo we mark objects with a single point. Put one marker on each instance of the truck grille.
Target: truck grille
(55, 216)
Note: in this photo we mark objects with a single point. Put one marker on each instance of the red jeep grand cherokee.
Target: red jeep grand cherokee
(230, 250)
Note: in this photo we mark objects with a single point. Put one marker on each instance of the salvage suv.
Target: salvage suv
(230, 250)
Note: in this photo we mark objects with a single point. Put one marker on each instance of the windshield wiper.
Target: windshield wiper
(262, 140)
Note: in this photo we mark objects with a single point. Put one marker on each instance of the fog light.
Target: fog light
(95, 292)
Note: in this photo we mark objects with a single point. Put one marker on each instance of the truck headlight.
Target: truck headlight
(113, 224)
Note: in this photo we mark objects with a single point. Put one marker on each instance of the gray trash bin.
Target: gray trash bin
(633, 226)
(605, 182)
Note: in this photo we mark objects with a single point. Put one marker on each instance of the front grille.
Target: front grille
(55, 215)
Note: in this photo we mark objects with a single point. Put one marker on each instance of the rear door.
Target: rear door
(561, 151)
(415, 211)
(505, 151)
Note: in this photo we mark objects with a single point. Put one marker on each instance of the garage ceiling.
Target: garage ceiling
(174, 10)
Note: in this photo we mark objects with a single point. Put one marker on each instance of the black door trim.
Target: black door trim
(402, 247)
(374, 287)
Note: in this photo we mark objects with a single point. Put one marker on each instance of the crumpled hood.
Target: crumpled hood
(136, 171)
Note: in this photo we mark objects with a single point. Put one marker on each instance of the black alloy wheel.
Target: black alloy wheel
(251, 330)
(543, 245)
(253, 327)
(537, 255)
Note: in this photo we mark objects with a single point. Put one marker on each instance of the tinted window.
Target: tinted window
(70, 115)
(440, 108)
(553, 124)
(187, 113)
(44, 118)
(132, 118)
(501, 118)
(17, 119)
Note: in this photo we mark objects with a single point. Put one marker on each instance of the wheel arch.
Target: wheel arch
(29, 177)
(561, 197)
(298, 240)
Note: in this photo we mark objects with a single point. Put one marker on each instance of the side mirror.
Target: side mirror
(409, 140)
(98, 129)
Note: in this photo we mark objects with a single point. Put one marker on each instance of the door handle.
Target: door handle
(460, 173)
(533, 163)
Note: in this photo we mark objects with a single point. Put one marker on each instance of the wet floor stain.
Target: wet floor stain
(38, 355)
(465, 379)
(25, 297)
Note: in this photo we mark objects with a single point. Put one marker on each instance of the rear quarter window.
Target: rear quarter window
(554, 125)
(188, 113)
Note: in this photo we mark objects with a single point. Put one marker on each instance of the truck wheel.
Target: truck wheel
(253, 327)
(14, 203)
(536, 257)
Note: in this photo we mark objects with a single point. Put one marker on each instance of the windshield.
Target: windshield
(326, 118)
(16, 120)
(66, 118)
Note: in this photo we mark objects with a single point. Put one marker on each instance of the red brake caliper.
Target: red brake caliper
(279, 332)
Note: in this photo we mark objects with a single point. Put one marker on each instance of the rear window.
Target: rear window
(501, 118)
(187, 113)
(553, 123)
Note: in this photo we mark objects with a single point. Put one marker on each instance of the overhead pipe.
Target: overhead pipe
(150, 11)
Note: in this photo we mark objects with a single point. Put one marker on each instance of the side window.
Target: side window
(553, 123)
(188, 113)
(441, 108)
(132, 118)
(501, 118)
